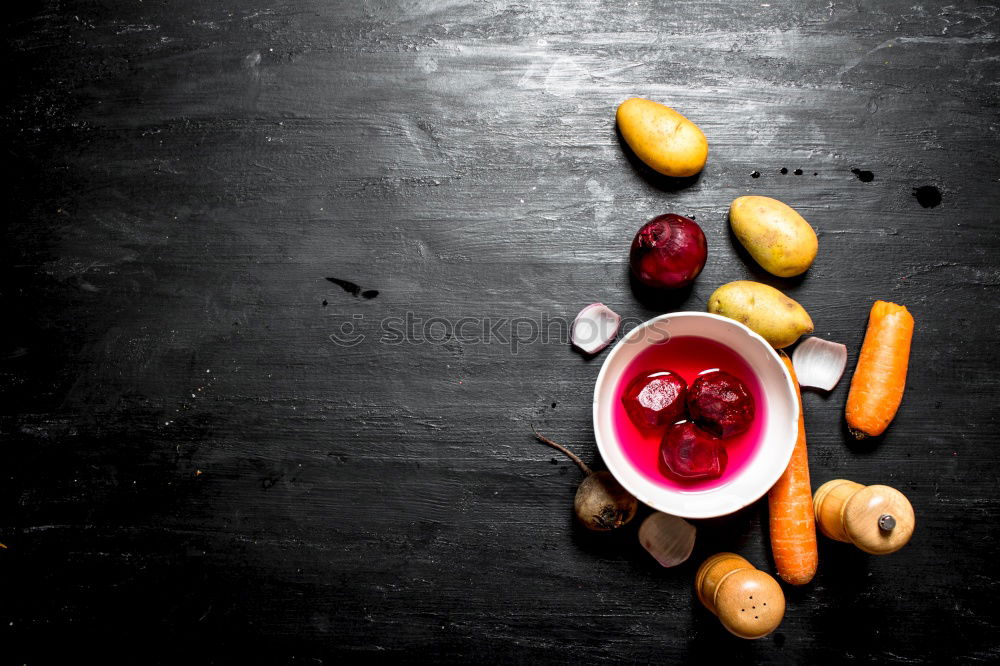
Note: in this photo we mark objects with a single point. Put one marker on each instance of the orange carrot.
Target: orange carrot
(789, 502)
(879, 379)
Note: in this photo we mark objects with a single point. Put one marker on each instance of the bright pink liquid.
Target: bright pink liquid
(688, 356)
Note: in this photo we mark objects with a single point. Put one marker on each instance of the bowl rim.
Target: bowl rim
(602, 445)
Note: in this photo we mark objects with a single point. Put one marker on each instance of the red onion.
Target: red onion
(668, 252)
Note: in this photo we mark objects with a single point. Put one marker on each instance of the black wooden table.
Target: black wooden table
(211, 450)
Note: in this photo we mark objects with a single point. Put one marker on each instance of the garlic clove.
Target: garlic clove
(667, 538)
(594, 328)
(819, 363)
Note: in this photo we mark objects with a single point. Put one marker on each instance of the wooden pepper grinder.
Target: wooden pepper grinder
(748, 602)
(877, 519)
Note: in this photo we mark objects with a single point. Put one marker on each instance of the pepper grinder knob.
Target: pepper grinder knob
(877, 519)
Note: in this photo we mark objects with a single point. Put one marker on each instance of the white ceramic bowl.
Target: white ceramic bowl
(780, 432)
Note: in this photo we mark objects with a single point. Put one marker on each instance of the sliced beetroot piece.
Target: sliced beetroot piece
(655, 399)
(720, 403)
(691, 453)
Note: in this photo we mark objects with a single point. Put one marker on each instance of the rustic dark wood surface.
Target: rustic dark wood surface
(194, 468)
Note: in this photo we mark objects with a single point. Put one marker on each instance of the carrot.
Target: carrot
(789, 502)
(879, 379)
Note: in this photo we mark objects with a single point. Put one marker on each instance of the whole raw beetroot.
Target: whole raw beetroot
(720, 403)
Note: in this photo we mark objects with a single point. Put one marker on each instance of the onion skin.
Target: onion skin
(819, 363)
(587, 339)
(667, 538)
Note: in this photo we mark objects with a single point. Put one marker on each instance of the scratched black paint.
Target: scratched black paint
(189, 172)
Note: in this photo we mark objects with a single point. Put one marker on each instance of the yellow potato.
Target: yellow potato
(765, 310)
(774, 234)
(662, 138)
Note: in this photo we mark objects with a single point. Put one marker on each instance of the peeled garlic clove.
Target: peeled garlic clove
(594, 328)
(668, 539)
(819, 363)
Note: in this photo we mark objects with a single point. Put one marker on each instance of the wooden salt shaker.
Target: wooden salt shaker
(748, 602)
(877, 519)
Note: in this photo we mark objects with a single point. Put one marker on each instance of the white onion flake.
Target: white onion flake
(668, 539)
(594, 328)
(819, 363)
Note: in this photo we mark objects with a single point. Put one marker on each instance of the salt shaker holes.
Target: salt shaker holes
(727, 583)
